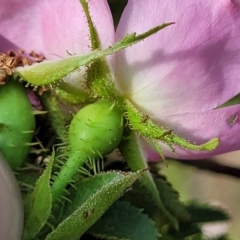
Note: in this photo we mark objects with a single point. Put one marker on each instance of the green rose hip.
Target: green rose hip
(17, 123)
(95, 130)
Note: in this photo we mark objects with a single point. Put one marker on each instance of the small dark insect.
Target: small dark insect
(87, 213)
(144, 118)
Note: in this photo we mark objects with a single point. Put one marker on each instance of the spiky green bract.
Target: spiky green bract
(89, 202)
(48, 72)
(154, 133)
(38, 205)
(99, 76)
(124, 221)
(95, 130)
(95, 41)
(17, 123)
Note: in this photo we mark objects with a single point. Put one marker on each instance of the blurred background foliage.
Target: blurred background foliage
(209, 187)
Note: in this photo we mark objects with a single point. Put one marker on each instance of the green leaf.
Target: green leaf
(113, 224)
(200, 213)
(203, 213)
(48, 72)
(160, 193)
(186, 229)
(93, 197)
(170, 199)
(38, 207)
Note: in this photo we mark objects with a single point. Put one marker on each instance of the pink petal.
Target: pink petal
(223, 123)
(192, 66)
(54, 28)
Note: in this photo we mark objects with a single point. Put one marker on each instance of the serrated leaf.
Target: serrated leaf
(93, 197)
(170, 199)
(200, 213)
(124, 221)
(185, 230)
(141, 199)
(203, 213)
(38, 205)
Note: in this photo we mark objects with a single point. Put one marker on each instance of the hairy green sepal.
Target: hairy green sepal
(48, 72)
(154, 133)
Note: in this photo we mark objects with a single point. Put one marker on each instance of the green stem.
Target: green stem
(65, 176)
(136, 160)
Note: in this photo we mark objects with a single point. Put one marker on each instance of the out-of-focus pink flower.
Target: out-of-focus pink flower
(177, 77)
(11, 206)
(180, 75)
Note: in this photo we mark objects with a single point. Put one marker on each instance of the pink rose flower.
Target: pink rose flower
(178, 77)
(181, 74)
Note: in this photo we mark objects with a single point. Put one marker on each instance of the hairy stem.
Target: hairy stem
(66, 175)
